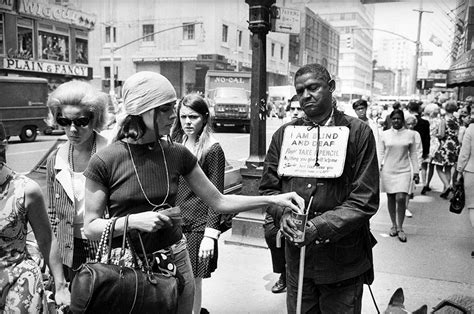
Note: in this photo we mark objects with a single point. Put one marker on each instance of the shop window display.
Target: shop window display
(53, 46)
(81, 51)
(25, 44)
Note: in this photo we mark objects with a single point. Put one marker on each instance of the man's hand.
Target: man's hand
(287, 226)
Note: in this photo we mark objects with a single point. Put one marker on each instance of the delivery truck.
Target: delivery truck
(23, 110)
(229, 95)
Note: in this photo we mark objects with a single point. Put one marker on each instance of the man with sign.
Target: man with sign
(330, 158)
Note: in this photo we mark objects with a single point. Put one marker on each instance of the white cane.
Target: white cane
(299, 296)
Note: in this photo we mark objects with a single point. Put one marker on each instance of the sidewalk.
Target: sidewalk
(433, 264)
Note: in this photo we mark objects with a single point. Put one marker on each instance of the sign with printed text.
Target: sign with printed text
(45, 67)
(313, 152)
(286, 21)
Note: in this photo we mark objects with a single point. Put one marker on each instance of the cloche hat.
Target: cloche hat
(146, 90)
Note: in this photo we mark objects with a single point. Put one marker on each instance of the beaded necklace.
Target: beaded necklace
(70, 159)
(140, 183)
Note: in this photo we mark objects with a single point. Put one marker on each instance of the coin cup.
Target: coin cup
(300, 222)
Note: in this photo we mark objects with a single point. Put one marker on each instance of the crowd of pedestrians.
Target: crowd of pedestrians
(163, 156)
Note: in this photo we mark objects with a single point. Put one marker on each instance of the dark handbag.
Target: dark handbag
(107, 288)
(458, 200)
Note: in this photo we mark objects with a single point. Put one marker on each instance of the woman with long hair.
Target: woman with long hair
(399, 166)
(139, 173)
(80, 110)
(192, 128)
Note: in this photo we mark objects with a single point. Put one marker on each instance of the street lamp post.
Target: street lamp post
(247, 227)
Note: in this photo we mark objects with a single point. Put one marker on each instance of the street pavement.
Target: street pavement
(434, 263)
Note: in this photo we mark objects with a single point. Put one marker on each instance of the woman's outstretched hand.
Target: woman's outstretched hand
(149, 221)
(291, 200)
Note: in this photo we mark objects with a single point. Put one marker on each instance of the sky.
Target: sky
(400, 18)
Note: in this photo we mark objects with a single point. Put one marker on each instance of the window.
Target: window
(239, 38)
(25, 39)
(53, 42)
(107, 73)
(148, 29)
(82, 47)
(273, 49)
(110, 34)
(188, 32)
(2, 35)
(282, 50)
(225, 29)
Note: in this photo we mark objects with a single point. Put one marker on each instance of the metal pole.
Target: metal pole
(299, 296)
(417, 51)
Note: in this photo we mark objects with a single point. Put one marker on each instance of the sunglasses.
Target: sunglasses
(78, 122)
(296, 108)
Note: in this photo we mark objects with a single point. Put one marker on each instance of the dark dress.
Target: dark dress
(197, 215)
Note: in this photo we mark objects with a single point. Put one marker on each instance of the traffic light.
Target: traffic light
(349, 42)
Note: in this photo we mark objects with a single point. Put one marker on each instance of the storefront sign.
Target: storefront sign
(305, 153)
(460, 76)
(44, 67)
(57, 13)
(6, 4)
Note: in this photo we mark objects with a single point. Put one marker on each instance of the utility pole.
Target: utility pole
(112, 49)
(247, 226)
(417, 51)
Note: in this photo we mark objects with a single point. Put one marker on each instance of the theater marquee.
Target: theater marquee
(45, 67)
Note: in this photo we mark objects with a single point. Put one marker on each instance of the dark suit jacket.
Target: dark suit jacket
(423, 127)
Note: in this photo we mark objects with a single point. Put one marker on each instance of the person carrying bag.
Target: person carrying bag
(458, 201)
(127, 284)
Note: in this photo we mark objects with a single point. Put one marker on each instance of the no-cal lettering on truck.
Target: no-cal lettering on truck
(229, 94)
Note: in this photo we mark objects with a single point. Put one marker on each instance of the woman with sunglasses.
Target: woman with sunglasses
(81, 110)
(139, 173)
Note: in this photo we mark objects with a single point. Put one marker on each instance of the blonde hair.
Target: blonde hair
(81, 94)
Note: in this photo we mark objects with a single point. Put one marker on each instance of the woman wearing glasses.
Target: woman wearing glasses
(81, 110)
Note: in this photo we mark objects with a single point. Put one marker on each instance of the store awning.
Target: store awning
(461, 72)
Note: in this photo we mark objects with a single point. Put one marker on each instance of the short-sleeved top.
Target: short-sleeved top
(113, 168)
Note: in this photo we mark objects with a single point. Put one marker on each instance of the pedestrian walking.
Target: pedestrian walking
(138, 173)
(21, 279)
(399, 166)
(431, 113)
(447, 154)
(338, 242)
(192, 128)
(465, 167)
(411, 122)
(360, 108)
(81, 110)
(422, 127)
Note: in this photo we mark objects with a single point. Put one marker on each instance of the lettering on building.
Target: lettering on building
(58, 13)
(6, 4)
(44, 67)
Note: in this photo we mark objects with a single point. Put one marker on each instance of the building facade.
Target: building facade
(387, 79)
(398, 55)
(354, 22)
(45, 39)
(461, 72)
(318, 42)
(186, 39)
